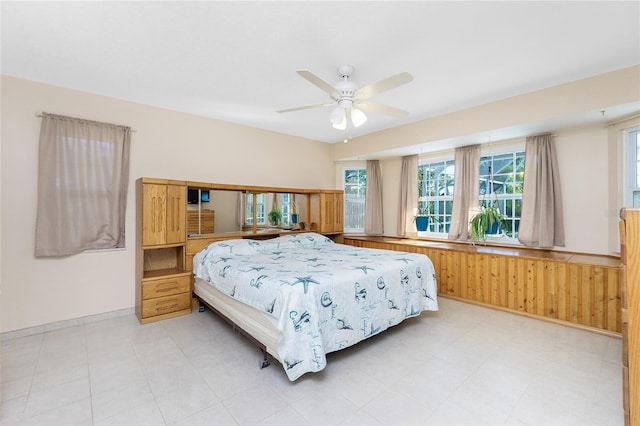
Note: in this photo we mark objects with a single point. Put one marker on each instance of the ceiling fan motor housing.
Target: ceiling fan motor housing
(346, 87)
(345, 71)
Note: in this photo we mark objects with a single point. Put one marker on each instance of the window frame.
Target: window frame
(284, 201)
(360, 199)
(632, 167)
(430, 198)
(503, 198)
(94, 167)
(486, 150)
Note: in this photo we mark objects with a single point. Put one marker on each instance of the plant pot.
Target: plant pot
(422, 223)
(493, 229)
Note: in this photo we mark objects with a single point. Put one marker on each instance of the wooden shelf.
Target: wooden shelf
(161, 273)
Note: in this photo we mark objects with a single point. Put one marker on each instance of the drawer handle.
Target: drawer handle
(171, 286)
(173, 305)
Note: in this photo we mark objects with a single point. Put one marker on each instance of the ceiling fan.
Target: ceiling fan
(350, 101)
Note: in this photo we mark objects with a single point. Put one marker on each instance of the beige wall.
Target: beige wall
(166, 144)
(585, 169)
(590, 161)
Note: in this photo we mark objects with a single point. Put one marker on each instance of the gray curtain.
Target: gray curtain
(408, 194)
(541, 223)
(373, 222)
(83, 177)
(465, 190)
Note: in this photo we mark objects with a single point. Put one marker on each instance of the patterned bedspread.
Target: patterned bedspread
(325, 296)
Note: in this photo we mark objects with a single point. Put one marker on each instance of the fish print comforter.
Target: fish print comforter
(325, 296)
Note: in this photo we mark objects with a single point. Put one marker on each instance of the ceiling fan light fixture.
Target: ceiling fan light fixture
(342, 125)
(337, 115)
(357, 117)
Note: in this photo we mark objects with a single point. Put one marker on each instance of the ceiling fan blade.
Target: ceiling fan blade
(383, 85)
(380, 108)
(318, 82)
(304, 107)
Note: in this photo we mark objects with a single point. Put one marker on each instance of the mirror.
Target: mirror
(215, 212)
(276, 211)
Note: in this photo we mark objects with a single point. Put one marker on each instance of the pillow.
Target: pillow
(239, 246)
(301, 240)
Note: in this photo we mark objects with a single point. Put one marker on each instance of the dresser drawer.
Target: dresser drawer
(165, 305)
(165, 287)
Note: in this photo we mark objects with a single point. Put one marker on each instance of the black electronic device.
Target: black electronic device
(192, 196)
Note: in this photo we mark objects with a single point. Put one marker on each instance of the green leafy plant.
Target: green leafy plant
(275, 216)
(426, 211)
(484, 220)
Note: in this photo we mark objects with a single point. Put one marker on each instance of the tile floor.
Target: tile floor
(462, 365)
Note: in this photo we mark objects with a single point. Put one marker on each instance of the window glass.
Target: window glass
(501, 178)
(285, 206)
(633, 173)
(265, 202)
(435, 194)
(260, 218)
(501, 182)
(355, 188)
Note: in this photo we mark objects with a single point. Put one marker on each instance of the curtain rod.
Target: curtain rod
(40, 115)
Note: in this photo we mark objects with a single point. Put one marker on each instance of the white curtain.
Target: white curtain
(83, 177)
(373, 221)
(465, 190)
(241, 209)
(408, 194)
(541, 223)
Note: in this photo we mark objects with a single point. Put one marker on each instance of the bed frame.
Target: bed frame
(244, 319)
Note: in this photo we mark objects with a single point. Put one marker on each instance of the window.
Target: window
(501, 180)
(285, 207)
(260, 217)
(632, 192)
(355, 188)
(83, 173)
(264, 204)
(435, 193)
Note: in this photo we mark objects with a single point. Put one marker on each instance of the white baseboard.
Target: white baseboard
(30, 331)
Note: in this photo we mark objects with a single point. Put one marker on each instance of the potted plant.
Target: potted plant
(424, 216)
(294, 213)
(488, 220)
(275, 216)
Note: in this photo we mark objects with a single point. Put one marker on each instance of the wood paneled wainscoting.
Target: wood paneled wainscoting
(570, 288)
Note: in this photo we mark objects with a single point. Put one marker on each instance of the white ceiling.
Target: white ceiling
(237, 61)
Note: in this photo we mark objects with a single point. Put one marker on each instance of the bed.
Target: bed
(301, 296)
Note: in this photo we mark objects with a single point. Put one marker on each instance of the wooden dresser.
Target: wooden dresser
(163, 284)
(630, 255)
